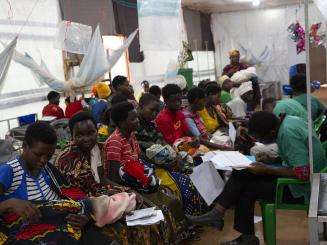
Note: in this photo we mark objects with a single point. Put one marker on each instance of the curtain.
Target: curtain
(197, 25)
(126, 22)
(263, 43)
(5, 60)
(90, 13)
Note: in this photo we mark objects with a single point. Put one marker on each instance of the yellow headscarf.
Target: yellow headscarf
(234, 52)
(222, 79)
(103, 90)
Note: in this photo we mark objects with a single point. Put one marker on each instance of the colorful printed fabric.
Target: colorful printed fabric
(192, 201)
(148, 135)
(74, 164)
(211, 123)
(225, 114)
(179, 183)
(198, 122)
(52, 228)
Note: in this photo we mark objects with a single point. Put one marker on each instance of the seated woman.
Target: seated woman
(123, 163)
(171, 121)
(35, 206)
(196, 99)
(74, 106)
(235, 64)
(156, 91)
(298, 84)
(239, 104)
(53, 109)
(259, 180)
(210, 116)
(147, 136)
(81, 164)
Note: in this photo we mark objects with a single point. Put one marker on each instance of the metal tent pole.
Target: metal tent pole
(307, 53)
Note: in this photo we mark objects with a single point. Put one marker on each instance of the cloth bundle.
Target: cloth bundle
(161, 155)
(221, 138)
(166, 157)
(244, 75)
(134, 173)
(109, 209)
(270, 149)
(184, 145)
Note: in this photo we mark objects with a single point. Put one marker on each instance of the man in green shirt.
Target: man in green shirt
(293, 147)
(290, 107)
(298, 84)
(258, 181)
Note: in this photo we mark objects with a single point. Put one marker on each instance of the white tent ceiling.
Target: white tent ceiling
(233, 5)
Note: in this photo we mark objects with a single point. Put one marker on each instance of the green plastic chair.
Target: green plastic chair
(318, 123)
(268, 209)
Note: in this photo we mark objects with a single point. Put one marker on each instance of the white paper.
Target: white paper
(257, 219)
(157, 217)
(233, 159)
(141, 213)
(208, 156)
(48, 118)
(207, 181)
(232, 132)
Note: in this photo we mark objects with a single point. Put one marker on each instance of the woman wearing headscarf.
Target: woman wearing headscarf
(238, 104)
(103, 91)
(235, 64)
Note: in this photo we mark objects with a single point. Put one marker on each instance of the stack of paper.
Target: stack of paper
(207, 181)
(228, 160)
(232, 159)
(147, 216)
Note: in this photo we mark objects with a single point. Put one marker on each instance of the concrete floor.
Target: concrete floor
(292, 229)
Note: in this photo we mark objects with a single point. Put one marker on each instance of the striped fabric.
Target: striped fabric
(120, 149)
(36, 189)
(17, 176)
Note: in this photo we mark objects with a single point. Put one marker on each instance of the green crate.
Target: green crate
(188, 74)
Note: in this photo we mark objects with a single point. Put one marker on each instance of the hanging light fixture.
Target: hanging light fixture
(256, 3)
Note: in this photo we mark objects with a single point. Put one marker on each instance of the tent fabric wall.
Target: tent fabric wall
(126, 22)
(5, 60)
(36, 38)
(197, 25)
(322, 6)
(90, 13)
(161, 36)
(206, 31)
(262, 36)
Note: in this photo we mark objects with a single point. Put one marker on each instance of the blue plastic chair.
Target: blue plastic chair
(27, 119)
